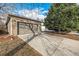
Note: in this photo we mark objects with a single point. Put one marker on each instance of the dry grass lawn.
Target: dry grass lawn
(12, 45)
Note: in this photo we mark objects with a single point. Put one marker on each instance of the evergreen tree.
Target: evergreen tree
(63, 17)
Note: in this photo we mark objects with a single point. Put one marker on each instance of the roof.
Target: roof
(11, 15)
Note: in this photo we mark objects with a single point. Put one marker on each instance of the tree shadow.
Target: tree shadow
(13, 51)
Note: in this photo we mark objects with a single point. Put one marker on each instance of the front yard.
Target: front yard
(12, 45)
(46, 44)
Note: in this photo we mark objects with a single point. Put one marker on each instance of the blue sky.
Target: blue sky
(21, 6)
(32, 10)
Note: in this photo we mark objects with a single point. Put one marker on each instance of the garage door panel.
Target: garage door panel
(23, 28)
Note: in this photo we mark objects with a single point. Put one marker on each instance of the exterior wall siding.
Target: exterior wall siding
(13, 26)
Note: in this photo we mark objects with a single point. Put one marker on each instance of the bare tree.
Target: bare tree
(5, 8)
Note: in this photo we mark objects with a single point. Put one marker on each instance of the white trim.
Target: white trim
(11, 27)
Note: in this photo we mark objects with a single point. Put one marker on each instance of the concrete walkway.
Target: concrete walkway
(49, 45)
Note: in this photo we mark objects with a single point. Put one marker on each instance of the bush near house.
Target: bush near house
(3, 32)
(3, 29)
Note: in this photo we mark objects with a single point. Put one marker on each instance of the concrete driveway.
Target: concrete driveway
(49, 45)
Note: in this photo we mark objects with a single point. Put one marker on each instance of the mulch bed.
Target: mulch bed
(4, 38)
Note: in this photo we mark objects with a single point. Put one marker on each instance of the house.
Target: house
(18, 25)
